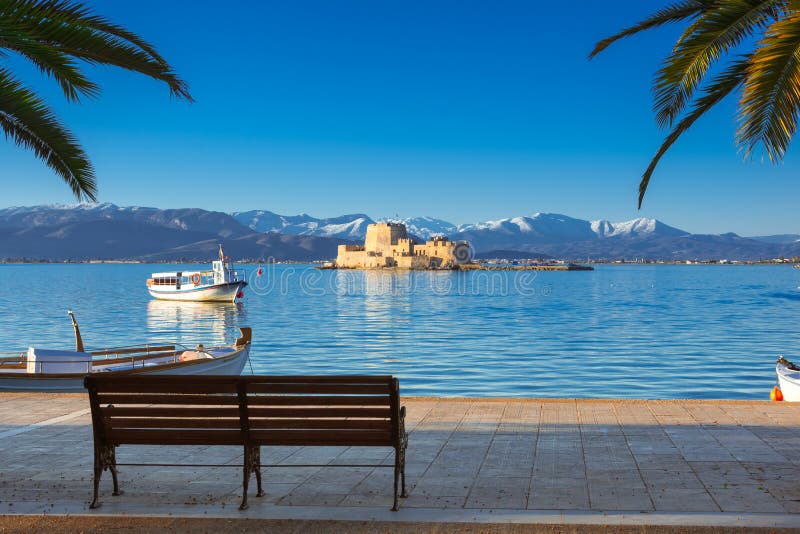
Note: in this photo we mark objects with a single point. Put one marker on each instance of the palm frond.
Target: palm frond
(720, 87)
(56, 64)
(26, 119)
(70, 29)
(676, 12)
(771, 97)
(715, 33)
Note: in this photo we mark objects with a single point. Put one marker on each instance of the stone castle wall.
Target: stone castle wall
(387, 245)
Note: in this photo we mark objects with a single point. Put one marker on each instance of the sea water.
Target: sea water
(638, 331)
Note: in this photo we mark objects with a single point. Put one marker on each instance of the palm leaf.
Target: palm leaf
(16, 37)
(720, 87)
(70, 30)
(715, 33)
(771, 97)
(676, 12)
(27, 120)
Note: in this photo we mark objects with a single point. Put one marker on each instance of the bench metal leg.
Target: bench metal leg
(252, 464)
(396, 476)
(104, 458)
(112, 466)
(245, 478)
(98, 472)
(257, 467)
(403, 493)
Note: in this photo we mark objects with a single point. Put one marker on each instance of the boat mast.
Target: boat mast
(78, 339)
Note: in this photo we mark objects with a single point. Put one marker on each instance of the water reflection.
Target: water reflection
(212, 323)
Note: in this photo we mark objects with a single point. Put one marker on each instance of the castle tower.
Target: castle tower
(381, 236)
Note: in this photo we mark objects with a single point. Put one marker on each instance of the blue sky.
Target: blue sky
(461, 110)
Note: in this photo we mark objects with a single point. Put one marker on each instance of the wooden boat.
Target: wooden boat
(60, 370)
(221, 284)
(788, 379)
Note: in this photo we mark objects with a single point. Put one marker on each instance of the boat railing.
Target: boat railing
(136, 355)
(39, 365)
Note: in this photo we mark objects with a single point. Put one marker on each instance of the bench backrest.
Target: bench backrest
(323, 410)
(160, 409)
(257, 410)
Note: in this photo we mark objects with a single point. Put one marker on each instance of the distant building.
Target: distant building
(387, 245)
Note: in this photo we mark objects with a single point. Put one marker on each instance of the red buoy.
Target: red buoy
(240, 294)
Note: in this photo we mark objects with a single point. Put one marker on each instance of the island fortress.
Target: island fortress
(387, 245)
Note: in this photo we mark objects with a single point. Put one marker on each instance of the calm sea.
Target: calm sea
(619, 331)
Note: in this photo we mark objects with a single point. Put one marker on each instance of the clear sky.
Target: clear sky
(462, 110)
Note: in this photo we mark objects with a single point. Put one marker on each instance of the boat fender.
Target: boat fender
(776, 394)
(189, 355)
(196, 279)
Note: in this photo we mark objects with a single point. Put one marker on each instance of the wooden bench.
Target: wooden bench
(247, 411)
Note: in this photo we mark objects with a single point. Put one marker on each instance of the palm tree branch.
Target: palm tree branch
(48, 60)
(70, 29)
(26, 119)
(770, 101)
(714, 33)
(720, 87)
(676, 12)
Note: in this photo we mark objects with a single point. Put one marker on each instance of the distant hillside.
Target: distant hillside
(107, 231)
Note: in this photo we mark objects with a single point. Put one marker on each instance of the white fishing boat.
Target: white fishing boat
(221, 284)
(63, 370)
(788, 379)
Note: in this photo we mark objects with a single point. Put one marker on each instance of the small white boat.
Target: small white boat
(63, 371)
(788, 379)
(221, 284)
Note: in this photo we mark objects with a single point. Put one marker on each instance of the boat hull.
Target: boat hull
(789, 382)
(228, 364)
(212, 293)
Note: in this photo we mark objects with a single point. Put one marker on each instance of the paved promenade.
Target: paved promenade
(550, 461)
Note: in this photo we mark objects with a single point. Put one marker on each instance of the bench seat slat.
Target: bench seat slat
(171, 411)
(320, 412)
(330, 424)
(208, 399)
(321, 437)
(315, 379)
(108, 389)
(310, 388)
(168, 422)
(318, 400)
(171, 437)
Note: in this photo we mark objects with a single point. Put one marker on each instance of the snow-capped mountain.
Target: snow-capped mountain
(637, 227)
(425, 227)
(188, 219)
(83, 231)
(352, 227)
(107, 231)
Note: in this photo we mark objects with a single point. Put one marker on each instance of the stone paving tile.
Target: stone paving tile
(498, 492)
(444, 486)
(669, 478)
(745, 498)
(672, 499)
(544, 454)
(609, 496)
(555, 495)
(722, 474)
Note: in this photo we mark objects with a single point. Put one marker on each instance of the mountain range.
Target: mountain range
(107, 231)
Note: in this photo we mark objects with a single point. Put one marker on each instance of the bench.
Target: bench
(246, 411)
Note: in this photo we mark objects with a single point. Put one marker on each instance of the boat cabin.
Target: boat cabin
(222, 272)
